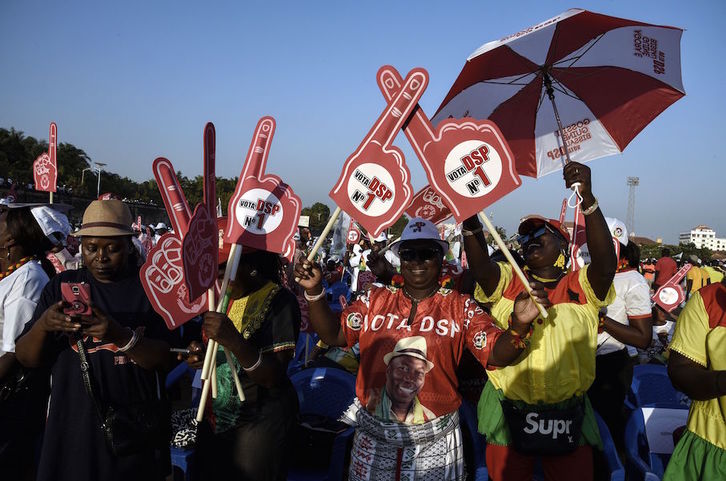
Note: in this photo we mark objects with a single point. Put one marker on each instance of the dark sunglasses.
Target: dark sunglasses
(525, 238)
(423, 255)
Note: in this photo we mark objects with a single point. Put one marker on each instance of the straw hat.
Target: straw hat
(414, 346)
(106, 218)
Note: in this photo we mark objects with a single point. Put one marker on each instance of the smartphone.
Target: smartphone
(77, 298)
(179, 350)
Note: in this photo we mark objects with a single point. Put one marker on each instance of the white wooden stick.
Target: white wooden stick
(323, 235)
(508, 255)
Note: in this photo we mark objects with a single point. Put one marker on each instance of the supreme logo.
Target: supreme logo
(551, 427)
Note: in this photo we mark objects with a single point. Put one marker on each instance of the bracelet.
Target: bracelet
(591, 209)
(136, 336)
(467, 233)
(519, 341)
(317, 297)
(255, 365)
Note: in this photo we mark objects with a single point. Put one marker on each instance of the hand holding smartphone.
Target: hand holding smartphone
(76, 298)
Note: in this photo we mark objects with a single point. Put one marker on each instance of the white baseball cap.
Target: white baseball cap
(382, 237)
(54, 224)
(418, 228)
(617, 230)
(160, 225)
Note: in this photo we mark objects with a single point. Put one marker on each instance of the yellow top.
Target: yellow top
(713, 274)
(700, 335)
(560, 360)
(698, 276)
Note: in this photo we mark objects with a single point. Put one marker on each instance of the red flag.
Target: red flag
(467, 161)
(563, 211)
(374, 186)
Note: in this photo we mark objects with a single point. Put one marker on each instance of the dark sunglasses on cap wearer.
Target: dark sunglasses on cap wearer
(423, 254)
(539, 232)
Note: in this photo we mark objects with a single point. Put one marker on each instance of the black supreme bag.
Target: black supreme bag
(544, 432)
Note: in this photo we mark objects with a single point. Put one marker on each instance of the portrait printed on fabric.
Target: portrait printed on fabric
(406, 369)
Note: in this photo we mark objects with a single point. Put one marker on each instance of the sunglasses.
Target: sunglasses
(425, 254)
(525, 238)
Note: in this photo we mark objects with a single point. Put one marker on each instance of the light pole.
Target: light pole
(97, 170)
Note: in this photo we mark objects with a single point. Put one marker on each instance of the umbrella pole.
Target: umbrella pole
(551, 94)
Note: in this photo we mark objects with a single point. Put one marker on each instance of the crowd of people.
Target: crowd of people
(425, 322)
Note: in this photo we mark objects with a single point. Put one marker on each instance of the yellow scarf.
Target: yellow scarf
(248, 313)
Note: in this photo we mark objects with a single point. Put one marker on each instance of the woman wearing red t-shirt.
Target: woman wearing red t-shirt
(411, 341)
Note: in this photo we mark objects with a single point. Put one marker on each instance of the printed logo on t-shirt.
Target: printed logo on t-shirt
(480, 340)
(354, 321)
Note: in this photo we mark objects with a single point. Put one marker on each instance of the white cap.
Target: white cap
(418, 228)
(160, 225)
(617, 230)
(53, 224)
(381, 238)
(414, 346)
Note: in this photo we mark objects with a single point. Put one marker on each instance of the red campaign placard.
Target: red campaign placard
(200, 245)
(162, 276)
(563, 211)
(467, 161)
(374, 186)
(427, 204)
(264, 211)
(45, 167)
(670, 295)
(353, 233)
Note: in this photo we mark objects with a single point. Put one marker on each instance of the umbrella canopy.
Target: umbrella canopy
(608, 78)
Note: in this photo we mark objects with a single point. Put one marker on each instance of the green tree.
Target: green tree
(319, 214)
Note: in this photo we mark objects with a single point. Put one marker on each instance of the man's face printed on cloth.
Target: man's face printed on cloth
(405, 377)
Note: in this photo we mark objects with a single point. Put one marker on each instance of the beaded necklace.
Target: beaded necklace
(15, 267)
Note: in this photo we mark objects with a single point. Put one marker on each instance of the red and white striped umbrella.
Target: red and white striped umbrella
(608, 78)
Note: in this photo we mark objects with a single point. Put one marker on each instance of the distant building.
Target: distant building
(703, 236)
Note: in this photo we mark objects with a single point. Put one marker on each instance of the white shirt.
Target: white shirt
(632, 300)
(19, 294)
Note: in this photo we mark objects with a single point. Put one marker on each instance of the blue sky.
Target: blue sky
(130, 81)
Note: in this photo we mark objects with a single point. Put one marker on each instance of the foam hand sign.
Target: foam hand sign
(162, 276)
(175, 203)
(200, 243)
(670, 295)
(467, 161)
(427, 204)
(264, 211)
(374, 186)
(45, 167)
(353, 233)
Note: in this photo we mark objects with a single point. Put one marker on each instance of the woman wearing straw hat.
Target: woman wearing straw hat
(409, 335)
(26, 234)
(107, 366)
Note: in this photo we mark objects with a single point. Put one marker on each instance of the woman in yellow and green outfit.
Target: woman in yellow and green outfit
(697, 366)
(537, 407)
(251, 440)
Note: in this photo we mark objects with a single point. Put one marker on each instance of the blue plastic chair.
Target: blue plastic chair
(325, 392)
(643, 462)
(467, 417)
(298, 361)
(181, 459)
(617, 471)
(651, 386)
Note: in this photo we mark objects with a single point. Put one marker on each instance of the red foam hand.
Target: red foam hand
(162, 276)
(670, 295)
(200, 245)
(263, 212)
(353, 233)
(45, 168)
(171, 193)
(374, 186)
(427, 204)
(467, 161)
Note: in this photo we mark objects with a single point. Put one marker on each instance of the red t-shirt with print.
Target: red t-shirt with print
(445, 325)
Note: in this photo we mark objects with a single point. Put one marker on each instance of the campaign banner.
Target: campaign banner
(467, 161)
(374, 186)
(563, 211)
(428, 204)
(200, 244)
(264, 211)
(45, 167)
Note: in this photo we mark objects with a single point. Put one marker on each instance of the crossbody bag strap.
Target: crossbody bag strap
(88, 383)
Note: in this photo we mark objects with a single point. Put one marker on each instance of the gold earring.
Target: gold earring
(560, 262)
